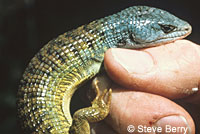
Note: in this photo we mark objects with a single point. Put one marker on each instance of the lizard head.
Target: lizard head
(152, 27)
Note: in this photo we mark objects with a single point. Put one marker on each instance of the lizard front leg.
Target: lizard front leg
(98, 111)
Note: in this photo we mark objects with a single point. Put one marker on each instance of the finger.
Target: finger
(171, 70)
(143, 109)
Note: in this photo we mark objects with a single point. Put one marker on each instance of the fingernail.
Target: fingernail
(173, 124)
(133, 61)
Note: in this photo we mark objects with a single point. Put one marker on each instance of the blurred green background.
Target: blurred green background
(26, 25)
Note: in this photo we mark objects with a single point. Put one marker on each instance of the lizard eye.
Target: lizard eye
(167, 28)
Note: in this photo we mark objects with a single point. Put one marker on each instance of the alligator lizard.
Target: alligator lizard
(64, 64)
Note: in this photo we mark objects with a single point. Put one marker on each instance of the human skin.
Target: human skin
(149, 80)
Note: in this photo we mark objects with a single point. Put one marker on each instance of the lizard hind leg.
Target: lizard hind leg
(97, 112)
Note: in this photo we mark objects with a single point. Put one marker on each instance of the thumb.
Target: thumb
(171, 70)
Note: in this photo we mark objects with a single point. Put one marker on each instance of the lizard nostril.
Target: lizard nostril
(187, 29)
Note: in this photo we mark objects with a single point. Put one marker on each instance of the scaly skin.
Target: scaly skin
(65, 63)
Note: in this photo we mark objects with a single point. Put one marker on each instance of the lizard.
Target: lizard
(65, 63)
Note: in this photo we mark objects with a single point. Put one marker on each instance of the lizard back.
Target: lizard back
(52, 77)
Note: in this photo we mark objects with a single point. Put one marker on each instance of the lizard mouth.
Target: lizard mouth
(176, 35)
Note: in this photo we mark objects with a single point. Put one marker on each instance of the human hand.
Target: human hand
(149, 78)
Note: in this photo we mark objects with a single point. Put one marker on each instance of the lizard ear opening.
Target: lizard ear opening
(133, 39)
(129, 41)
